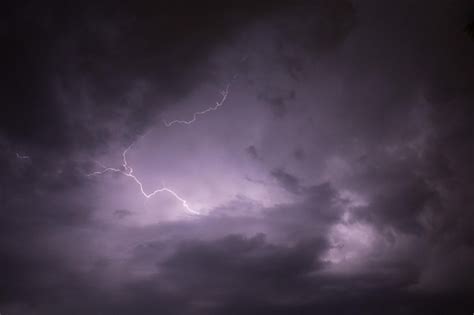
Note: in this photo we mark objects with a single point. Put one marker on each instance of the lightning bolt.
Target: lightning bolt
(219, 103)
(127, 170)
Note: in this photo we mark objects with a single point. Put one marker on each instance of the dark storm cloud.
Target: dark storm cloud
(223, 273)
(252, 152)
(287, 181)
(299, 154)
(278, 104)
(193, 276)
(250, 267)
(401, 191)
(470, 29)
(102, 52)
(316, 28)
(387, 227)
(70, 72)
(441, 177)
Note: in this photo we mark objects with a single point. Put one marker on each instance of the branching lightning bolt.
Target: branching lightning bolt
(128, 171)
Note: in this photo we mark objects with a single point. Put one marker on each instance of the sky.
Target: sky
(256, 157)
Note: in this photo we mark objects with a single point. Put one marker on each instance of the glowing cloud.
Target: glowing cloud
(127, 170)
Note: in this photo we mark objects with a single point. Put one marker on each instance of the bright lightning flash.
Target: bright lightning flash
(128, 171)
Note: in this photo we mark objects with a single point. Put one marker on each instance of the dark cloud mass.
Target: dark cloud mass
(334, 178)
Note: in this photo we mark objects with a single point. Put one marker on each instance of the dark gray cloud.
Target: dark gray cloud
(252, 152)
(356, 198)
(287, 181)
(278, 104)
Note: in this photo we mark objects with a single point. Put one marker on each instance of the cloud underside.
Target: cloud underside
(345, 147)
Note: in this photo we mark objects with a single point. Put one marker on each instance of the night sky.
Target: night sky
(230, 158)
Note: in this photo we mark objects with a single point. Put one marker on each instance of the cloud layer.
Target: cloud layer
(336, 178)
